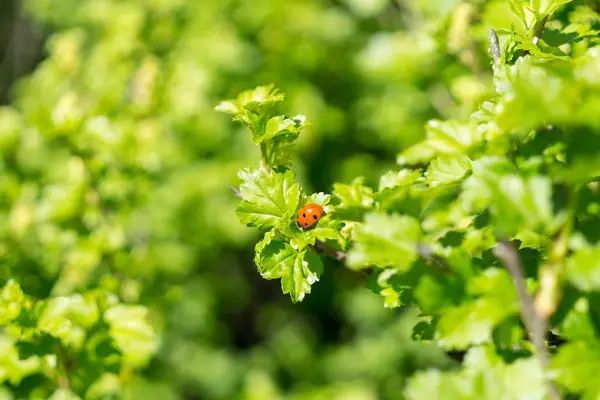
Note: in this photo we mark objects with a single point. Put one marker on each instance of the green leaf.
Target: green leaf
(583, 268)
(11, 301)
(447, 170)
(12, 368)
(516, 203)
(283, 126)
(575, 367)
(402, 178)
(472, 322)
(578, 325)
(484, 377)
(385, 241)
(67, 318)
(306, 270)
(443, 138)
(547, 7)
(107, 385)
(325, 230)
(64, 394)
(268, 196)
(277, 259)
(353, 200)
(388, 284)
(396, 189)
(434, 295)
(565, 101)
(257, 101)
(135, 338)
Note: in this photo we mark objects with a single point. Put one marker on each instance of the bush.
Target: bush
(126, 274)
(489, 218)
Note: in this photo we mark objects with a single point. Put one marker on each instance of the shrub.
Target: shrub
(489, 227)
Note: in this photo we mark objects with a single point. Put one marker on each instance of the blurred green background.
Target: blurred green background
(114, 171)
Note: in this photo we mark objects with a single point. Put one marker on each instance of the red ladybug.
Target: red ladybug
(309, 215)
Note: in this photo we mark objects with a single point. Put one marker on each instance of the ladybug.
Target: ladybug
(309, 215)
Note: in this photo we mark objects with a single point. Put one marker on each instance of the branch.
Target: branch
(539, 29)
(321, 247)
(62, 370)
(494, 47)
(426, 253)
(535, 324)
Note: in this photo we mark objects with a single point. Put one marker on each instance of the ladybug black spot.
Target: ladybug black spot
(314, 217)
(306, 224)
(304, 215)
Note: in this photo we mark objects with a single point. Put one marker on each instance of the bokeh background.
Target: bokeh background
(114, 171)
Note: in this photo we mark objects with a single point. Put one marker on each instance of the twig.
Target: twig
(62, 370)
(494, 47)
(535, 324)
(539, 30)
(426, 253)
(321, 247)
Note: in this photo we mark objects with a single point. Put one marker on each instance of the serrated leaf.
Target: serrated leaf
(256, 100)
(326, 229)
(516, 203)
(268, 196)
(578, 325)
(447, 170)
(434, 295)
(66, 318)
(11, 301)
(483, 377)
(134, 336)
(107, 385)
(583, 268)
(575, 367)
(297, 270)
(385, 241)
(306, 270)
(564, 102)
(353, 200)
(472, 322)
(547, 7)
(12, 368)
(443, 138)
(388, 284)
(283, 126)
(396, 189)
(402, 178)
(64, 394)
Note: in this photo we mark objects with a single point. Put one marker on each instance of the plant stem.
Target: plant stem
(62, 370)
(494, 47)
(535, 324)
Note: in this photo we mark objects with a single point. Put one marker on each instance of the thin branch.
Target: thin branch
(535, 324)
(321, 247)
(494, 47)
(539, 30)
(62, 370)
(426, 253)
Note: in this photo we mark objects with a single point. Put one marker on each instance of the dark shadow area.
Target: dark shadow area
(20, 46)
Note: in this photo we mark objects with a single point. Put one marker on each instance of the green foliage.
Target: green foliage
(519, 169)
(124, 272)
(484, 376)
